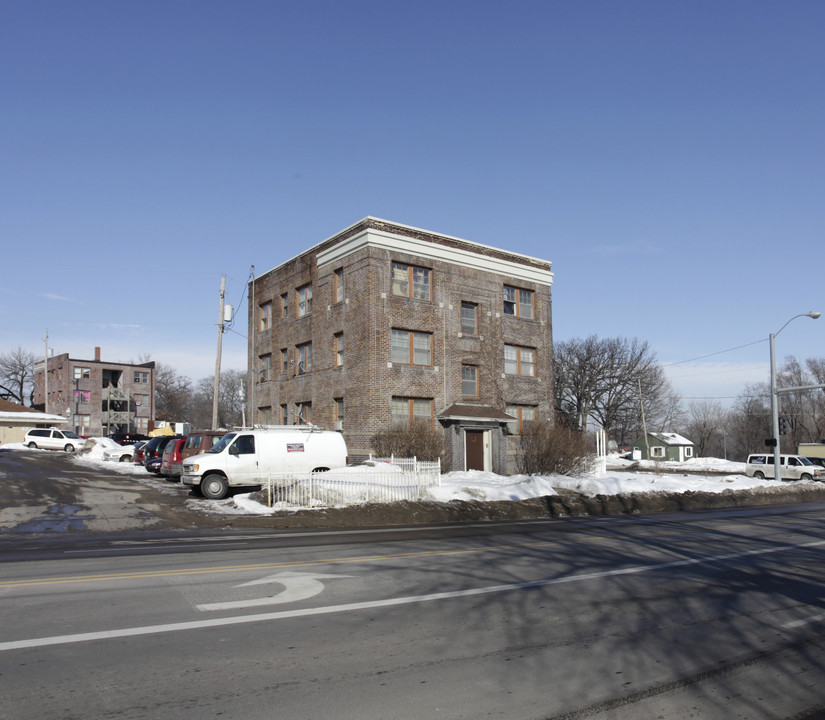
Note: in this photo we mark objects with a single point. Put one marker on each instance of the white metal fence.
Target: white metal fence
(401, 479)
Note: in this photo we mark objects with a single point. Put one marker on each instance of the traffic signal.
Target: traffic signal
(783, 426)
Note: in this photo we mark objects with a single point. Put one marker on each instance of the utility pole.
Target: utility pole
(46, 372)
(218, 358)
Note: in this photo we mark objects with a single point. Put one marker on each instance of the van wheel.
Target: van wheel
(125, 458)
(33, 445)
(214, 487)
(806, 477)
(69, 448)
(759, 475)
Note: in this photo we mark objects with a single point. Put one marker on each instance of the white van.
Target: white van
(244, 458)
(54, 439)
(794, 467)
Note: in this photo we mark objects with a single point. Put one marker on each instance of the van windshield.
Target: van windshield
(220, 446)
(804, 461)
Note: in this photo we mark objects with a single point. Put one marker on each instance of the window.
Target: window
(519, 361)
(265, 367)
(285, 305)
(303, 412)
(284, 360)
(406, 410)
(688, 451)
(142, 423)
(518, 302)
(265, 416)
(82, 373)
(339, 349)
(469, 318)
(411, 281)
(523, 413)
(141, 377)
(657, 451)
(303, 299)
(82, 396)
(244, 444)
(469, 381)
(339, 413)
(266, 316)
(338, 291)
(284, 415)
(411, 348)
(303, 358)
(82, 421)
(141, 399)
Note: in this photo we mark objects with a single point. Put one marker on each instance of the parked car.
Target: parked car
(248, 457)
(128, 438)
(153, 464)
(155, 447)
(200, 441)
(123, 454)
(137, 457)
(54, 439)
(794, 467)
(171, 465)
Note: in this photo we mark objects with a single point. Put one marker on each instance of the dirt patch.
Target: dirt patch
(566, 504)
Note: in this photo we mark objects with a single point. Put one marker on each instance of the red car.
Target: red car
(171, 464)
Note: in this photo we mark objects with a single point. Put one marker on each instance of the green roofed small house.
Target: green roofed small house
(663, 446)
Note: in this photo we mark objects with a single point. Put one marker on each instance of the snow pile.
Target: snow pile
(622, 477)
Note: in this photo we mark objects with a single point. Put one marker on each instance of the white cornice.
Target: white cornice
(371, 237)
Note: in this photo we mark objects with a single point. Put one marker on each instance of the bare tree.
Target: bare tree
(230, 403)
(705, 428)
(601, 379)
(749, 421)
(17, 375)
(173, 394)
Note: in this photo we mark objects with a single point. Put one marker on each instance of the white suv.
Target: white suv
(54, 439)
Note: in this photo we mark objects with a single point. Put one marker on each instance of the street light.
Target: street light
(777, 472)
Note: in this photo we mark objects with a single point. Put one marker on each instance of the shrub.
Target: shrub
(547, 449)
(419, 440)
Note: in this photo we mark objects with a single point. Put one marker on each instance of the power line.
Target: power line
(720, 352)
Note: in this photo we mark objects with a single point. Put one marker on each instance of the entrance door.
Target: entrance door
(474, 449)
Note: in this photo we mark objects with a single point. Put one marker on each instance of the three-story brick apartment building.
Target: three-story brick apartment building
(385, 323)
(98, 397)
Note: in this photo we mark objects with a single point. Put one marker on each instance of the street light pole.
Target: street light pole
(777, 455)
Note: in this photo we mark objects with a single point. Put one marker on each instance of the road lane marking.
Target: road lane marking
(804, 621)
(390, 602)
(146, 574)
(297, 586)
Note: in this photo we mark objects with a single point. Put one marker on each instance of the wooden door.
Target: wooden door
(474, 449)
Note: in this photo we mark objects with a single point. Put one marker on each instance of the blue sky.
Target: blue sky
(667, 157)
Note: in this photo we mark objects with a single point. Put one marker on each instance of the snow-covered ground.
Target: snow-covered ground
(474, 485)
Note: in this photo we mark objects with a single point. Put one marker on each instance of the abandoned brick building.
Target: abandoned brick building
(97, 397)
(384, 324)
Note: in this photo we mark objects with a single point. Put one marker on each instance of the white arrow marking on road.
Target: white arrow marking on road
(297, 586)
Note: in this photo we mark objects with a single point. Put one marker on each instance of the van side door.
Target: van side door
(242, 461)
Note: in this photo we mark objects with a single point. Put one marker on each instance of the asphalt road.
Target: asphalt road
(695, 615)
